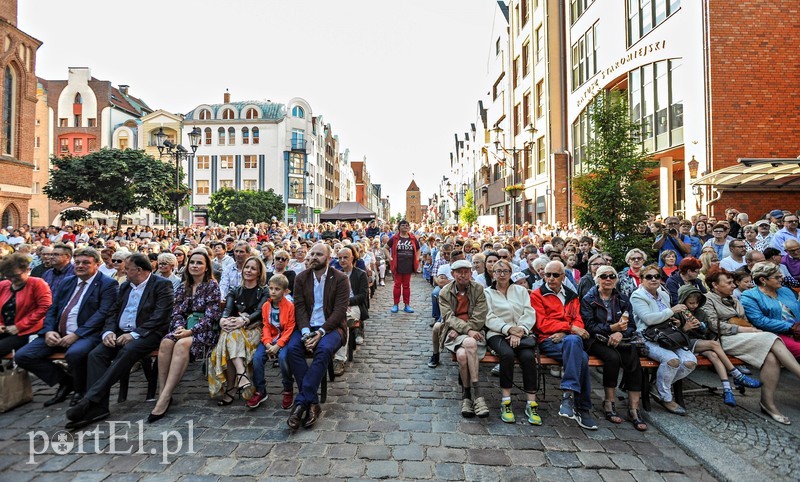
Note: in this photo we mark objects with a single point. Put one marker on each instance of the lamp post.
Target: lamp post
(304, 192)
(179, 153)
(513, 151)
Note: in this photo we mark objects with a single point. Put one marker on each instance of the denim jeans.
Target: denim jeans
(260, 359)
(435, 312)
(575, 361)
(309, 378)
(667, 375)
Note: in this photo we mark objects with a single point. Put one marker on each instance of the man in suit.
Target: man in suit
(321, 298)
(72, 325)
(359, 297)
(133, 329)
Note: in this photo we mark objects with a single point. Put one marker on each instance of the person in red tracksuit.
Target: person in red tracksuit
(405, 260)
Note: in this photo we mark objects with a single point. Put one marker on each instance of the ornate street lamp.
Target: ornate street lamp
(513, 189)
(179, 154)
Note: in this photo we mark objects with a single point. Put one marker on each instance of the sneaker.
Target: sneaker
(585, 419)
(532, 414)
(359, 340)
(496, 370)
(395, 309)
(506, 414)
(481, 409)
(745, 381)
(256, 399)
(382, 283)
(744, 369)
(434, 361)
(466, 408)
(288, 399)
(728, 398)
(567, 409)
(338, 368)
(408, 309)
(556, 372)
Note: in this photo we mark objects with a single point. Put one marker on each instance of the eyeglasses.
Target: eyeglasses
(553, 275)
(789, 221)
(114, 261)
(717, 231)
(162, 263)
(638, 258)
(651, 277)
(281, 258)
(792, 250)
(597, 264)
(502, 271)
(504, 257)
(737, 246)
(607, 276)
(777, 277)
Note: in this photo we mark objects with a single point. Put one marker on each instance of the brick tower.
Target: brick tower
(413, 204)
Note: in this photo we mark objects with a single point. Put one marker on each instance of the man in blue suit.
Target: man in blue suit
(72, 325)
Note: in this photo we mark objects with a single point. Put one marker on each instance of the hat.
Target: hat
(461, 263)
(760, 222)
(776, 213)
(517, 276)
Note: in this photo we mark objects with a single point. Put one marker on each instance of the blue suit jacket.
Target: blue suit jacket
(97, 302)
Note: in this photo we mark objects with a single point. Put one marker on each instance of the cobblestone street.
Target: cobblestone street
(389, 416)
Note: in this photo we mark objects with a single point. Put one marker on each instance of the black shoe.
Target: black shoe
(314, 413)
(154, 418)
(296, 418)
(76, 397)
(434, 361)
(78, 411)
(64, 389)
(95, 413)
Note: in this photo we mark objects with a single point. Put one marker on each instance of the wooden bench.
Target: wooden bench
(648, 366)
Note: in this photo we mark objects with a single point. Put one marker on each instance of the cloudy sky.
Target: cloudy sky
(396, 80)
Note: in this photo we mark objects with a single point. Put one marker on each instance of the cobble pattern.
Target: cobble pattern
(388, 417)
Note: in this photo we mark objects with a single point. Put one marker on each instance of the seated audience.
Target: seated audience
(24, 301)
(772, 307)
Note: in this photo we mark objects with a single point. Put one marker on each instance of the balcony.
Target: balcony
(298, 144)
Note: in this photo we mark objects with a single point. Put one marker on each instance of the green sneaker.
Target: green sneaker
(530, 412)
(506, 414)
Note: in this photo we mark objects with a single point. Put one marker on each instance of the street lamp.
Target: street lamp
(179, 153)
(305, 193)
(513, 151)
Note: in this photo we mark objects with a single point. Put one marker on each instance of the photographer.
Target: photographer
(670, 238)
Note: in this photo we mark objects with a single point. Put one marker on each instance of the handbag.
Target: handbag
(15, 386)
(194, 319)
(635, 341)
(667, 335)
(735, 320)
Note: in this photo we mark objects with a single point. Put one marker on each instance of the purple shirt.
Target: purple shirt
(792, 264)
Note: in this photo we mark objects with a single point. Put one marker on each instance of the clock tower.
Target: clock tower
(413, 204)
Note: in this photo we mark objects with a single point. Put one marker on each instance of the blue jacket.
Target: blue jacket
(674, 282)
(765, 313)
(97, 302)
(594, 314)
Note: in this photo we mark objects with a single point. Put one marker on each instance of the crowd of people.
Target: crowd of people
(243, 298)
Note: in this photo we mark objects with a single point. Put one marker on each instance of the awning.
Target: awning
(749, 174)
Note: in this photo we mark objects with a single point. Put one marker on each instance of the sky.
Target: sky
(395, 79)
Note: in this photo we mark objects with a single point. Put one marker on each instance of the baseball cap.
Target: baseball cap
(517, 276)
(776, 213)
(461, 263)
(760, 222)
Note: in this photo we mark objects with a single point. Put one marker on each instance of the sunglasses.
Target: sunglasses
(281, 258)
(114, 261)
(607, 276)
(552, 275)
(651, 277)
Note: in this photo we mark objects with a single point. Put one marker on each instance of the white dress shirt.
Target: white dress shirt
(72, 316)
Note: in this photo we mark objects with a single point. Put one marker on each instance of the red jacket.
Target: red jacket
(33, 301)
(393, 246)
(552, 316)
(286, 317)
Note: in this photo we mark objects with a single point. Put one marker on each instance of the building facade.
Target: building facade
(413, 203)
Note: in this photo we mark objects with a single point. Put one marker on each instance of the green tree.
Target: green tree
(122, 181)
(230, 206)
(467, 213)
(614, 195)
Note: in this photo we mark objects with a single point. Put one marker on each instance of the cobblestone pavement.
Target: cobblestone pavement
(388, 417)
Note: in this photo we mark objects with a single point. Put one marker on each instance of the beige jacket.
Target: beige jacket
(477, 310)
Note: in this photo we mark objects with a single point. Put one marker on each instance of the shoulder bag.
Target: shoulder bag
(667, 335)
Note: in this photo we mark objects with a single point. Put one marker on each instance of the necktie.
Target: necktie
(62, 323)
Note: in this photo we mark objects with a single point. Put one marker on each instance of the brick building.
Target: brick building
(18, 101)
(413, 203)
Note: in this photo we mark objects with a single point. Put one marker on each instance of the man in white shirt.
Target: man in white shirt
(736, 259)
(232, 275)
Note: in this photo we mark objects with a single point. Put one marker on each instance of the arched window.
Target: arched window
(9, 110)
(245, 135)
(231, 136)
(227, 114)
(78, 99)
(255, 135)
(298, 111)
(205, 114)
(207, 133)
(11, 216)
(221, 136)
(251, 114)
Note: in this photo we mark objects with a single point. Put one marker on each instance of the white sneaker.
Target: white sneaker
(359, 340)
(382, 283)
(556, 372)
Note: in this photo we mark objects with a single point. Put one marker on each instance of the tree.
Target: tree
(614, 194)
(467, 213)
(230, 206)
(122, 181)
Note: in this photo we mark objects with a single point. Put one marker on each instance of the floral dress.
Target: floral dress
(205, 300)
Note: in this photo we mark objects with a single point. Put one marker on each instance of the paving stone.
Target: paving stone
(444, 454)
(58, 463)
(563, 459)
(252, 450)
(557, 444)
(383, 469)
(314, 466)
(91, 476)
(374, 452)
(528, 458)
(482, 473)
(187, 464)
(588, 445)
(584, 475)
(348, 468)
(218, 466)
(397, 438)
(416, 470)
(592, 460)
(408, 452)
(428, 439)
(487, 457)
(660, 463)
(627, 461)
(646, 476)
(342, 451)
(283, 467)
(90, 462)
(449, 471)
(616, 475)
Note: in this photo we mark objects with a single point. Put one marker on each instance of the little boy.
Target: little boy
(426, 267)
(278, 316)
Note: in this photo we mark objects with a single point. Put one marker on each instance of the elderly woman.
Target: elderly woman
(192, 329)
(479, 268)
(772, 307)
(118, 262)
(509, 321)
(739, 338)
(107, 267)
(240, 333)
(750, 237)
(538, 266)
(605, 314)
(280, 267)
(669, 259)
(630, 279)
(650, 305)
(167, 262)
(687, 273)
(587, 281)
(24, 301)
(720, 241)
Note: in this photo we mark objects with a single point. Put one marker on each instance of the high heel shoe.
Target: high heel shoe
(240, 389)
(777, 417)
(154, 418)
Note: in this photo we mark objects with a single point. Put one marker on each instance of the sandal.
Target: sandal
(240, 389)
(611, 414)
(637, 422)
(224, 402)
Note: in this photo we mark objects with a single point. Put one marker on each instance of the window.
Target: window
(540, 99)
(207, 134)
(251, 113)
(577, 7)
(221, 136)
(226, 162)
(582, 132)
(250, 185)
(37, 142)
(35, 188)
(91, 144)
(656, 101)
(298, 140)
(245, 135)
(64, 145)
(226, 184)
(541, 156)
(527, 157)
(524, 14)
(205, 114)
(231, 136)
(202, 187)
(92, 122)
(250, 162)
(255, 135)
(78, 99)
(497, 47)
(227, 114)
(497, 88)
(203, 162)
(296, 163)
(516, 72)
(526, 109)
(298, 111)
(526, 59)
(77, 120)
(62, 122)
(645, 15)
(584, 58)
(77, 145)
(517, 119)
(539, 44)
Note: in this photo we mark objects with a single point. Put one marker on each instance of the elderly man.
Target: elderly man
(321, 298)
(46, 255)
(671, 238)
(560, 331)
(787, 232)
(464, 309)
(357, 309)
(792, 257)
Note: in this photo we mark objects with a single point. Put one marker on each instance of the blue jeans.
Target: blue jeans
(437, 314)
(260, 359)
(575, 361)
(309, 378)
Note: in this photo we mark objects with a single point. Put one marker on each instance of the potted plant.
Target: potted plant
(514, 189)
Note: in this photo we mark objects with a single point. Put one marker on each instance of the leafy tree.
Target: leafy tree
(614, 195)
(399, 216)
(122, 181)
(230, 206)
(467, 213)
